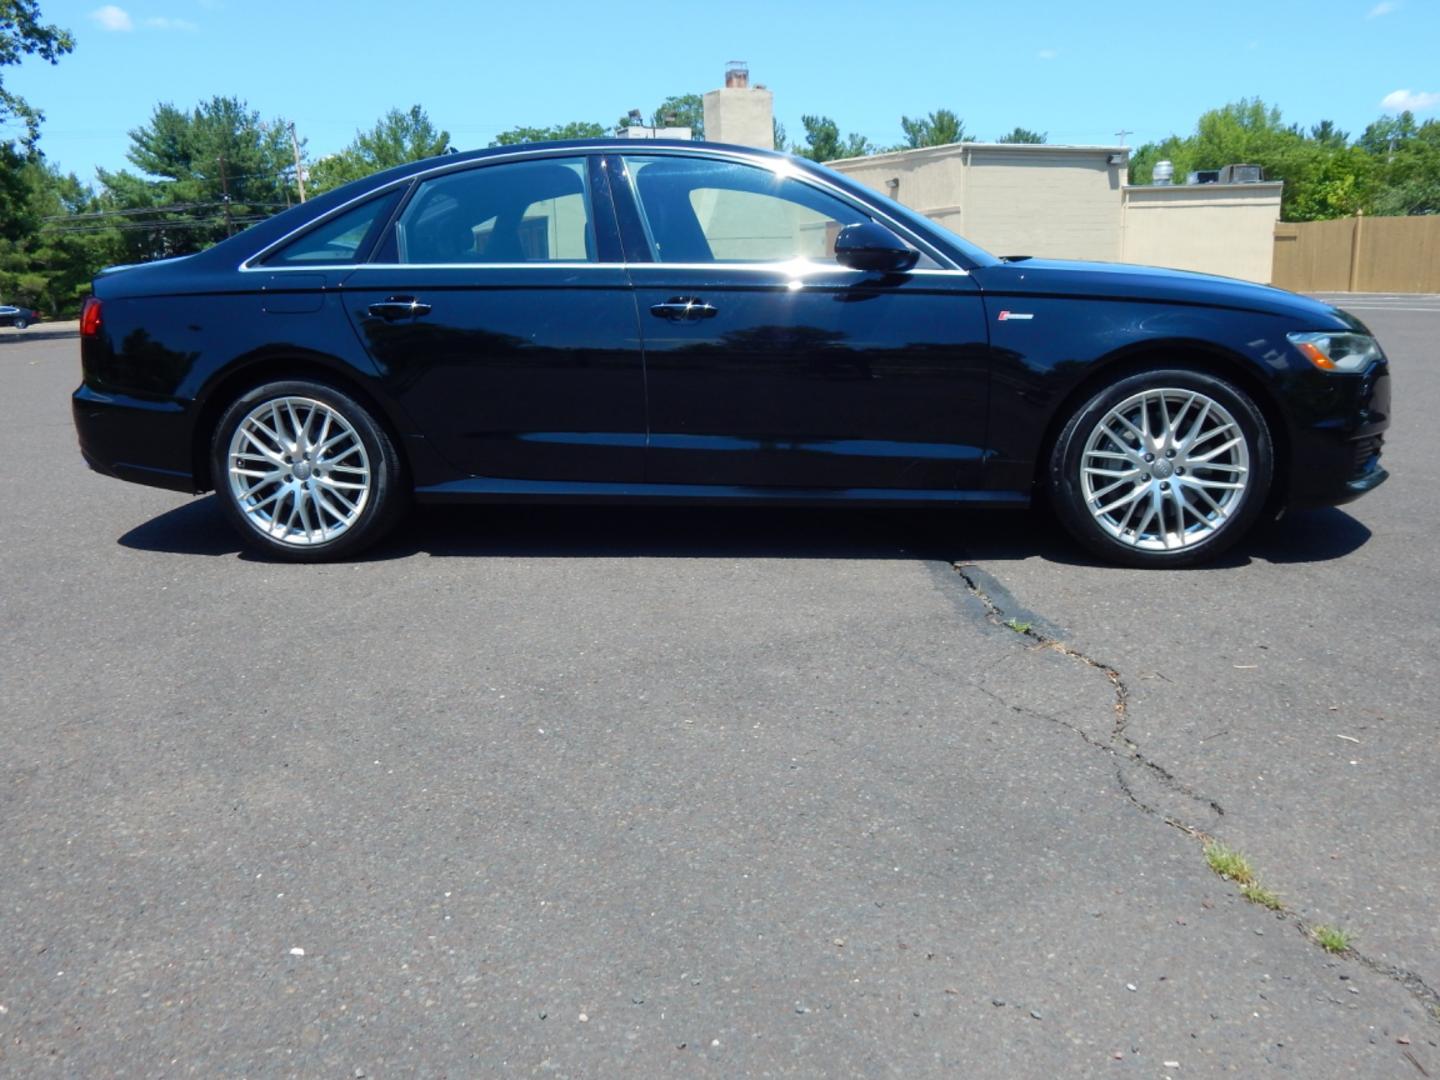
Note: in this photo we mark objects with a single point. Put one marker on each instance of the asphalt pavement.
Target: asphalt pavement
(596, 792)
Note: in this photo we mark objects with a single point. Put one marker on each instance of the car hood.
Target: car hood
(1120, 281)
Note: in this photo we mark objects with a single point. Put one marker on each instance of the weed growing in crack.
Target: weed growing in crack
(1229, 863)
(1258, 894)
(1018, 626)
(1331, 938)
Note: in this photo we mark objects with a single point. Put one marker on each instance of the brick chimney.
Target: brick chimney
(739, 113)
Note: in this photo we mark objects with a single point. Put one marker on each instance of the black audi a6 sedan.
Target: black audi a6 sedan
(610, 321)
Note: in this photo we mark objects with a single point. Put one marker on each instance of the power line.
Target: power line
(172, 208)
(151, 226)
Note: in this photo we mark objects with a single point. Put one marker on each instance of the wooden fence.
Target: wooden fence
(1360, 254)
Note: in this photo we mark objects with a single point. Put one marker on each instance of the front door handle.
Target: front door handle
(399, 307)
(684, 309)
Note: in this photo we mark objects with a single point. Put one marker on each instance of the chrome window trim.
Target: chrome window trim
(783, 267)
(775, 165)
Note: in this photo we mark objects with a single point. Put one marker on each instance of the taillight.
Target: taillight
(90, 317)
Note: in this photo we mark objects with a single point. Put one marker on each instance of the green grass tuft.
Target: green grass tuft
(1229, 863)
(1331, 938)
(1258, 894)
(1018, 626)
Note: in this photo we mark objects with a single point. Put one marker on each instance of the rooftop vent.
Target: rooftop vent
(1242, 174)
(737, 75)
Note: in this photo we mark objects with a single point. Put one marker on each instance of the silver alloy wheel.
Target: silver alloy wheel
(298, 471)
(1165, 469)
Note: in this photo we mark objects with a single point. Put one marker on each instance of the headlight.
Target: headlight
(1337, 352)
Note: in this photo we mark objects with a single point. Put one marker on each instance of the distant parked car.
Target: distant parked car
(18, 317)
(607, 321)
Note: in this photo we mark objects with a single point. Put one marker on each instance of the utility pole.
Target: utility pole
(1121, 135)
(225, 197)
(299, 169)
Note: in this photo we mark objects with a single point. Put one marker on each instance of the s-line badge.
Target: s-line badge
(1006, 316)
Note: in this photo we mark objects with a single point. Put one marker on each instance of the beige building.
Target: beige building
(1065, 202)
(1073, 202)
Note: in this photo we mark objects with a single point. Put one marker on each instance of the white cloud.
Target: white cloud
(1047, 54)
(160, 22)
(1409, 101)
(111, 17)
(1385, 7)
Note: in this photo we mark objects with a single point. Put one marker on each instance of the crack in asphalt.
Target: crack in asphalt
(1125, 750)
(1121, 746)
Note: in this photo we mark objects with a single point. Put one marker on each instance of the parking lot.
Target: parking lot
(599, 792)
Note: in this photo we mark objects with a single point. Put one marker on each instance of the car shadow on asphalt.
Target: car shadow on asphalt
(512, 531)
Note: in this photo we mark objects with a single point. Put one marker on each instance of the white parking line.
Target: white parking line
(1423, 303)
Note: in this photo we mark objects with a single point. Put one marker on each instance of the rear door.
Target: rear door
(498, 310)
(768, 363)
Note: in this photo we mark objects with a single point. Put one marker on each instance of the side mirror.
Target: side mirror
(867, 246)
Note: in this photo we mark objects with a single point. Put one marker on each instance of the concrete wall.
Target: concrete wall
(1214, 228)
(1064, 204)
(1070, 202)
(1058, 201)
(743, 115)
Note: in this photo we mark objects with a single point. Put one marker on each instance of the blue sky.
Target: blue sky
(1079, 70)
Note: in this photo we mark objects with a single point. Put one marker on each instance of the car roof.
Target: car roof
(267, 232)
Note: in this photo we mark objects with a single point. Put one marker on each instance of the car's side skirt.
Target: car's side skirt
(495, 490)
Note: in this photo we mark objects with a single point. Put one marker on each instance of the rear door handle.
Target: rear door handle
(399, 307)
(684, 309)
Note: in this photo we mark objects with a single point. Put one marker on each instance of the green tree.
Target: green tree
(398, 137)
(1409, 167)
(24, 33)
(203, 174)
(940, 128)
(823, 141)
(1381, 138)
(1024, 135)
(52, 242)
(1327, 134)
(677, 110)
(576, 129)
(1323, 177)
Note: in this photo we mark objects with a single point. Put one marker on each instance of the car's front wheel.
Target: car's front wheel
(1162, 468)
(306, 473)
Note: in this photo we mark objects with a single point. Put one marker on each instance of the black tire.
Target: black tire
(21, 322)
(1207, 534)
(384, 501)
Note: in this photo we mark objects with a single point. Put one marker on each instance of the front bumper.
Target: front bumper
(1336, 456)
(137, 439)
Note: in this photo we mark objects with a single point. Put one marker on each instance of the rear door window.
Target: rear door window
(515, 212)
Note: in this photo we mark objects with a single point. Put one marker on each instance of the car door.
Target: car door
(770, 364)
(498, 311)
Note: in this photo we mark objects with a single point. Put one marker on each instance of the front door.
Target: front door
(503, 322)
(769, 364)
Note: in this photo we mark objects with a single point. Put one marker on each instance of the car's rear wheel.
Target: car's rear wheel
(21, 322)
(306, 473)
(1163, 468)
